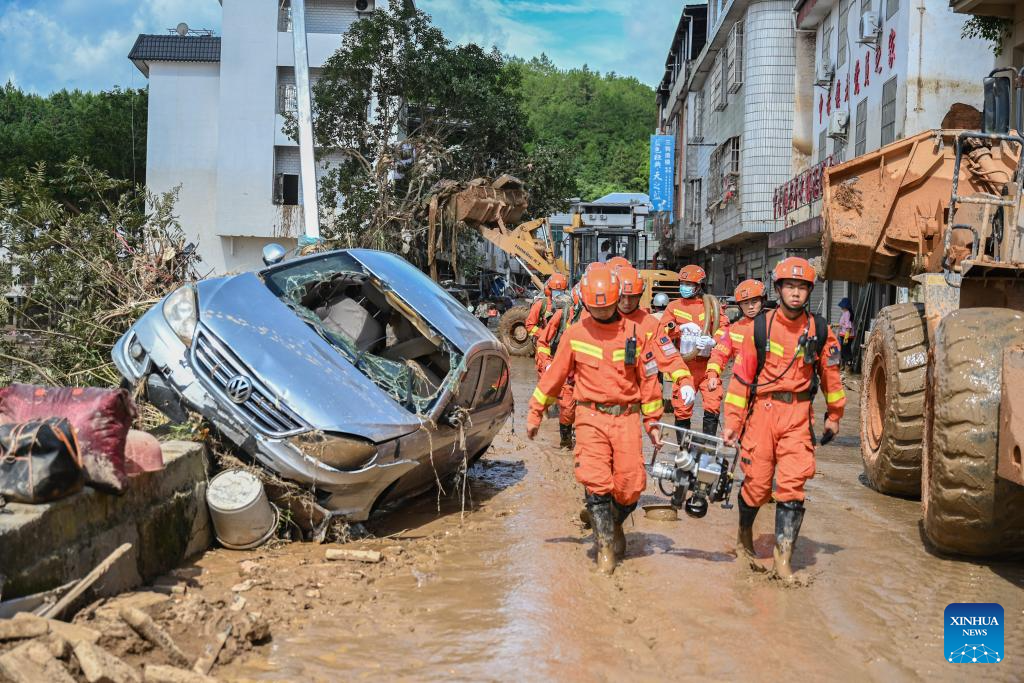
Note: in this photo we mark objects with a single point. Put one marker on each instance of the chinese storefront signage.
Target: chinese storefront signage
(662, 169)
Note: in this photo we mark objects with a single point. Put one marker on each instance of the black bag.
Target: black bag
(39, 461)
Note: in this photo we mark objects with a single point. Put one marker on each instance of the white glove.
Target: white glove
(687, 394)
(706, 345)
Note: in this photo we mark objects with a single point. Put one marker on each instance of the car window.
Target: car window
(493, 383)
(467, 384)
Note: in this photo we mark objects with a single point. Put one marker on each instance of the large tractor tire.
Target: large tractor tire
(892, 400)
(513, 333)
(969, 510)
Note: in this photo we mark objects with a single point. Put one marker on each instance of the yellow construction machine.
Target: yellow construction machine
(491, 208)
(942, 406)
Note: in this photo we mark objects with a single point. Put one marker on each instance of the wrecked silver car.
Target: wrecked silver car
(349, 372)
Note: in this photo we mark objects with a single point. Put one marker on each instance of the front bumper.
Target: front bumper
(152, 354)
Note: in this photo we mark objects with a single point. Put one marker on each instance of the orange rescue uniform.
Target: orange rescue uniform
(536, 319)
(680, 312)
(546, 339)
(660, 347)
(729, 346)
(611, 397)
(776, 431)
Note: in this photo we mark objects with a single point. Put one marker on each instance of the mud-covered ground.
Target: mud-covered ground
(506, 590)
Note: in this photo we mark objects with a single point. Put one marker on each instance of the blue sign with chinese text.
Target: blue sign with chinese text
(662, 168)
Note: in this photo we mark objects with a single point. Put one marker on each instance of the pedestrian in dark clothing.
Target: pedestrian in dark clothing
(846, 334)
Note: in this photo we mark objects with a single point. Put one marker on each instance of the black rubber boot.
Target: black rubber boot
(745, 537)
(710, 424)
(565, 431)
(789, 515)
(685, 424)
(600, 508)
(620, 514)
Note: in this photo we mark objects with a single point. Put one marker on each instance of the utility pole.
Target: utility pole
(307, 161)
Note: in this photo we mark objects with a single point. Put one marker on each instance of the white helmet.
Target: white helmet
(660, 300)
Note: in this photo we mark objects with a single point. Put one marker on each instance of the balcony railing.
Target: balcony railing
(801, 190)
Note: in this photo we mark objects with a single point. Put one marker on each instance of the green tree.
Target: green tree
(106, 128)
(407, 109)
(604, 122)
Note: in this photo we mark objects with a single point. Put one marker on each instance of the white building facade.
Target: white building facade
(868, 73)
(216, 111)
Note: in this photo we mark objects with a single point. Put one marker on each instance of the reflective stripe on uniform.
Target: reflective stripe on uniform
(546, 350)
(776, 348)
(676, 375)
(682, 314)
(736, 337)
(618, 354)
(648, 408)
(543, 398)
(588, 349)
(834, 396)
(715, 367)
(734, 400)
(534, 329)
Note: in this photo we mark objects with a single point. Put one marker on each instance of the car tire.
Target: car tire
(969, 509)
(892, 400)
(513, 333)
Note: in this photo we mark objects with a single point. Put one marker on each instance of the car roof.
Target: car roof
(426, 297)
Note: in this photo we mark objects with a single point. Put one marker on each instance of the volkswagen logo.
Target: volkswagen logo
(239, 388)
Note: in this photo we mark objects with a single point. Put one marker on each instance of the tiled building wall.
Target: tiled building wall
(768, 117)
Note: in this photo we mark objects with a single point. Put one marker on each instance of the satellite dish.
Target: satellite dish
(182, 29)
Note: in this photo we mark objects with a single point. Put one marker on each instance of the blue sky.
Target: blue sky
(46, 45)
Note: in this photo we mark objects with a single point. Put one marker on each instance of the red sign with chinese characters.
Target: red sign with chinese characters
(801, 190)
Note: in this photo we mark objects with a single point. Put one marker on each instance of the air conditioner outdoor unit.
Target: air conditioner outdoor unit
(364, 5)
(870, 28)
(824, 74)
(837, 125)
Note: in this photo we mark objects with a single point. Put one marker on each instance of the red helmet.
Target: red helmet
(616, 262)
(749, 289)
(794, 268)
(556, 282)
(630, 280)
(694, 274)
(600, 286)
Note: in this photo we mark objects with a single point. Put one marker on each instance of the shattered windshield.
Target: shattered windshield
(368, 324)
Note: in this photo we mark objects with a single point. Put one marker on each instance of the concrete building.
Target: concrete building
(216, 111)
(868, 72)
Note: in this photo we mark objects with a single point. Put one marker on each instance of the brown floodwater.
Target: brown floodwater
(500, 585)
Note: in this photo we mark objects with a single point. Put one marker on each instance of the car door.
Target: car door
(491, 405)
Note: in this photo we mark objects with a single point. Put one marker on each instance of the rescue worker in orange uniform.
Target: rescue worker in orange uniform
(538, 316)
(550, 337)
(684, 322)
(768, 409)
(646, 327)
(749, 295)
(615, 391)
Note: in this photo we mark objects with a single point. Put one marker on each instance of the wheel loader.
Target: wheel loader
(942, 405)
(490, 208)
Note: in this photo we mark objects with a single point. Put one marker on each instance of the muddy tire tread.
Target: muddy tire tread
(895, 468)
(509, 320)
(970, 510)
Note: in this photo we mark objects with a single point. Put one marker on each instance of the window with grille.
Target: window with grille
(889, 111)
(734, 54)
(287, 99)
(718, 86)
(695, 202)
(860, 133)
(865, 6)
(891, 8)
(844, 25)
(698, 118)
(826, 41)
(822, 143)
(732, 156)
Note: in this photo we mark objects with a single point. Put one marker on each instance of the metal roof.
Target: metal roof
(173, 48)
(623, 198)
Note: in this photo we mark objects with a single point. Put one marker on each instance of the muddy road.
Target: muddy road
(502, 586)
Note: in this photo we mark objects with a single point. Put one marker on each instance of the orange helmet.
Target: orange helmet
(794, 268)
(630, 280)
(600, 286)
(749, 289)
(556, 282)
(616, 262)
(694, 274)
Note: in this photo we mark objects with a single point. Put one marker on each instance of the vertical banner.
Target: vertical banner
(662, 169)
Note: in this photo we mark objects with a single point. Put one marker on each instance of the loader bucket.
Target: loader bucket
(884, 212)
(483, 203)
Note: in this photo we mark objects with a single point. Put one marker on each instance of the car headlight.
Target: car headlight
(340, 452)
(181, 310)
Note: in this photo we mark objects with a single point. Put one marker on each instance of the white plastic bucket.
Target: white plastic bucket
(242, 516)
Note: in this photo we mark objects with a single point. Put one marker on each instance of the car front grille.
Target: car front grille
(219, 366)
